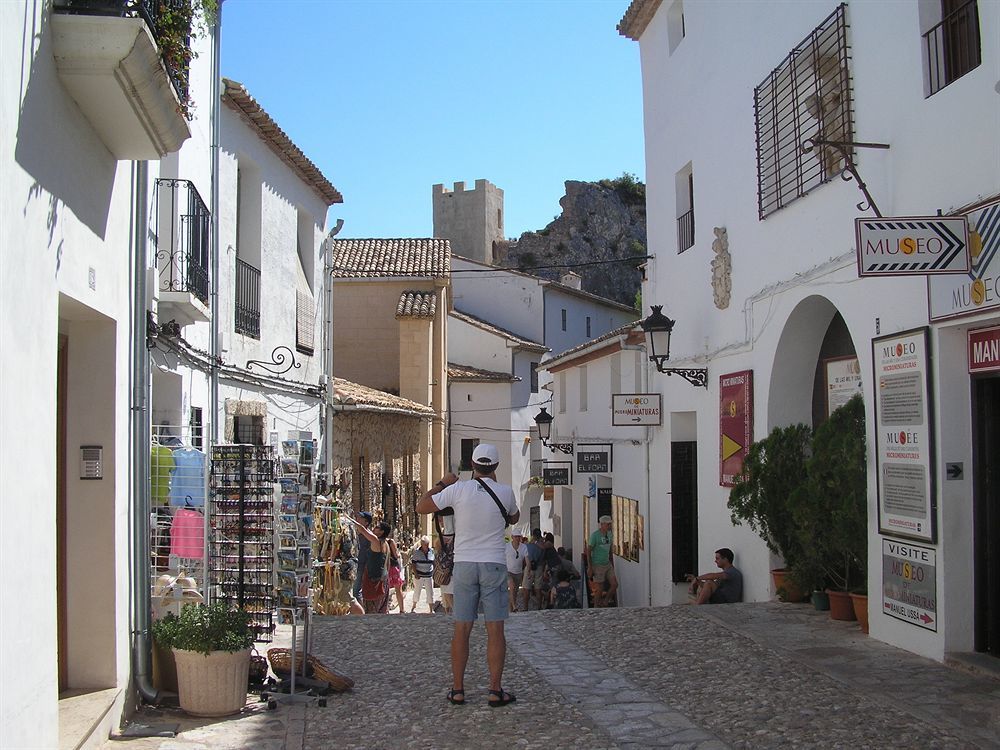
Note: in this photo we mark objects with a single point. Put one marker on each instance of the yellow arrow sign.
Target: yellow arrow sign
(729, 447)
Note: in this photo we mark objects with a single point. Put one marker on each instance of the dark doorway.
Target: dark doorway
(684, 509)
(986, 468)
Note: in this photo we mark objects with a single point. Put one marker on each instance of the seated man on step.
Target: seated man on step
(718, 588)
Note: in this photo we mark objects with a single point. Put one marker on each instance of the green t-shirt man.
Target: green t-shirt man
(600, 547)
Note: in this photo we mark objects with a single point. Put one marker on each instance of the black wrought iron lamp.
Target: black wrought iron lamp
(544, 420)
(658, 328)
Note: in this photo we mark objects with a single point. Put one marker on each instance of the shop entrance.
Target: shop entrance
(986, 433)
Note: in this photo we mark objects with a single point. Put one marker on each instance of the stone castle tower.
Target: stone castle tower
(471, 219)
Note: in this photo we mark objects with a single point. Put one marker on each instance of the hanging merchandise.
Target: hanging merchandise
(161, 465)
(187, 534)
(187, 481)
(241, 547)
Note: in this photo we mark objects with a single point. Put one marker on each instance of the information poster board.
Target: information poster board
(843, 381)
(904, 436)
(735, 423)
(909, 583)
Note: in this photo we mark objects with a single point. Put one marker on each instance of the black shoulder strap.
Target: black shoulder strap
(503, 510)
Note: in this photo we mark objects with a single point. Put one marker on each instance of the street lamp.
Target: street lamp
(543, 420)
(658, 328)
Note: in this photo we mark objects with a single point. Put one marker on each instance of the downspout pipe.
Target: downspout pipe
(139, 436)
(216, 114)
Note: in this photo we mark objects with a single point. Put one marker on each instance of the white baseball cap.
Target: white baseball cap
(485, 455)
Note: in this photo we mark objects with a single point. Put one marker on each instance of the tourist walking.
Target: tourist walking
(422, 565)
(515, 566)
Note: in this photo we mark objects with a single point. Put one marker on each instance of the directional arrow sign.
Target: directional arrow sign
(729, 447)
(917, 245)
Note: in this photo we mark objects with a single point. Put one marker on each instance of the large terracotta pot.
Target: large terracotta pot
(785, 589)
(213, 684)
(860, 603)
(840, 606)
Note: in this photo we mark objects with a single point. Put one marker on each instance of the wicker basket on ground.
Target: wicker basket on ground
(281, 664)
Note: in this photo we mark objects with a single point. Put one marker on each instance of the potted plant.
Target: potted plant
(831, 509)
(164, 668)
(773, 471)
(211, 645)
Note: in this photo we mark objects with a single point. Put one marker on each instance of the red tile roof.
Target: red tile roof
(416, 305)
(387, 258)
(637, 18)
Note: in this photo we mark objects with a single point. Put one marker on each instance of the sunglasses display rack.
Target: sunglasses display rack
(241, 544)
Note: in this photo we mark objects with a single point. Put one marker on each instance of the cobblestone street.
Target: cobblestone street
(741, 676)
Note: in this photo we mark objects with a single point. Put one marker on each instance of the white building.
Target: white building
(90, 119)
(608, 462)
(754, 244)
(505, 321)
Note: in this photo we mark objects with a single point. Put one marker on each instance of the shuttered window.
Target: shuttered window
(304, 322)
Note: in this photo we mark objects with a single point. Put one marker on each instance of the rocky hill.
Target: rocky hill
(600, 221)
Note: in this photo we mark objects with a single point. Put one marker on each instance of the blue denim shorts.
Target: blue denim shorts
(475, 583)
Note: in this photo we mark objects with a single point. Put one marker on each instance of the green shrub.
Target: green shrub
(213, 627)
(165, 630)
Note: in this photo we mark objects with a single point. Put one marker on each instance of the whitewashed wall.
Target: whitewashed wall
(791, 272)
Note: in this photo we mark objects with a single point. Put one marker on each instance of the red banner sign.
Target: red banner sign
(984, 350)
(735, 423)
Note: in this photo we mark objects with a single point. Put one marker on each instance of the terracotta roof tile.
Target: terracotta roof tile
(637, 18)
(416, 305)
(382, 258)
(346, 393)
(498, 331)
(568, 354)
(470, 374)
(237, 98)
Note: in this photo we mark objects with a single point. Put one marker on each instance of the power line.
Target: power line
(523, 269)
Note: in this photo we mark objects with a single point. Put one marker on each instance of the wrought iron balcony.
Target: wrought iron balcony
(685, 231)
(183, 227)
(953, 47)
(125, 63)
(247, 299)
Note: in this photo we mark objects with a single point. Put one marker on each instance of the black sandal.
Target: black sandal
(502, 698)
(454, 700)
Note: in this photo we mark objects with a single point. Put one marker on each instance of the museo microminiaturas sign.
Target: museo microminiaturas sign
(917, 245)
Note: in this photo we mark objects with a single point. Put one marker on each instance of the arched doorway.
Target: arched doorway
(815, 335)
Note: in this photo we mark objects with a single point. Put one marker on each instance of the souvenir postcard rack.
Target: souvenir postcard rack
(241, 547)
(295, 524)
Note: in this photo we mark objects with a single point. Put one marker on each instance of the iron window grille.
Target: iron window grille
(183, 238)
(953, 46)
(807, 96)
(685, 231)
(247, 319)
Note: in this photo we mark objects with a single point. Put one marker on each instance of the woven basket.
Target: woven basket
(281, 664)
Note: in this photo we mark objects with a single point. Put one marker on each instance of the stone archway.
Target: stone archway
(796, 357)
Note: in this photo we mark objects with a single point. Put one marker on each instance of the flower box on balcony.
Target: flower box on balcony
(112, 68)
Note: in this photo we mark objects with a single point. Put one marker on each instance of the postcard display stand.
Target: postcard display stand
(241, 546)
(295, 525)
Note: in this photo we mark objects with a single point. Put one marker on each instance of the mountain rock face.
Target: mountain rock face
(600, 221)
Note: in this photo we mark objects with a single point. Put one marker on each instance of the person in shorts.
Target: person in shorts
(515, 552)
(483, 508)
(725, 587)
(601, 563)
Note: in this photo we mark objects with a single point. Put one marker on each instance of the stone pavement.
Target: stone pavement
(742, 676)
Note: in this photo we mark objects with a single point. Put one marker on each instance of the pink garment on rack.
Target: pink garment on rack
(187, 534)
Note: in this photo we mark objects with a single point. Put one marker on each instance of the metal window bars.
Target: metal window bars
(183, 238)
(808, 96)
(247, 319)
(953, 47)
(685, 231)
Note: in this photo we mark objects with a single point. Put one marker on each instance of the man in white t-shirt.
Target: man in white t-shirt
(483, 510)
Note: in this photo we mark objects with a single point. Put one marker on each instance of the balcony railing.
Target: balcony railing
(685, 231)
(161, 16)
(953, 47)
(247, 299)
(183, 237)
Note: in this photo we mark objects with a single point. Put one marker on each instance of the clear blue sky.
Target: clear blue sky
(389, 98)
